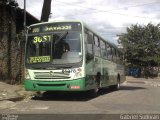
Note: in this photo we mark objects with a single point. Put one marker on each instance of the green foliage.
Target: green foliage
(142, 44)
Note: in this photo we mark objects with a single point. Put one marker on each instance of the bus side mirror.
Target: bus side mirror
(21, 44)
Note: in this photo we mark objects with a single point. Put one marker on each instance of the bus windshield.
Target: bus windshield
(55, 48)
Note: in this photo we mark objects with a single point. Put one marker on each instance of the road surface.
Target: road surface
(134, 97)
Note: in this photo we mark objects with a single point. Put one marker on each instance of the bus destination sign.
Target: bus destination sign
(51, 27)
(57, 28)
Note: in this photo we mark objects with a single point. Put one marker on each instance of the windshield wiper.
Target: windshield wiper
(62, 36)
(63, 66)
(67, 66)
(57, 41)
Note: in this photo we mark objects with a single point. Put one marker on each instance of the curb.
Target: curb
(135, 81)
(13, 96)
(17, 95)
(14, 99)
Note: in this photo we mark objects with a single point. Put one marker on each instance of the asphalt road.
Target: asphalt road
(134, 97)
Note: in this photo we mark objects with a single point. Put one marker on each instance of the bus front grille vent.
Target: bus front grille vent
(51, 75)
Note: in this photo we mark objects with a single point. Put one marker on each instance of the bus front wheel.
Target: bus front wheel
(94, 92)
(117, 86)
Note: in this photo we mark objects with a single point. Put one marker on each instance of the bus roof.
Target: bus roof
(56, 21)
(96, 33)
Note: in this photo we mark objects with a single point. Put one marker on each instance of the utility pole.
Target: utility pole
(46, 10)
(24, 24)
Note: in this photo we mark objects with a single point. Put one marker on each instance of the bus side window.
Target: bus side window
(114, 54)
(121, 56)
(89, 43)
(89, 46)
(109, 52)
(118, 56)
(103, 49)
(97, 46)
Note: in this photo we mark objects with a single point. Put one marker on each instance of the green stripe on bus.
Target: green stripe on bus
(67, 85)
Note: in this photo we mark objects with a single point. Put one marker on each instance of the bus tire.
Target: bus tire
(117, 86)
(94, 92)
(118, 81)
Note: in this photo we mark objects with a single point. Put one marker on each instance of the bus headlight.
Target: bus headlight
(78, 73)
(27, 76)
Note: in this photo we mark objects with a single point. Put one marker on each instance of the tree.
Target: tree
(142, 45)
(46, 10)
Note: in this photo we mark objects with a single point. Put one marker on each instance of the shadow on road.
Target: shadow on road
(78, 96)
(131, 88)
(63, 96)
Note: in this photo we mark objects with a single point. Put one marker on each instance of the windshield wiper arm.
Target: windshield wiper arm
(63, 66)
(62, 36)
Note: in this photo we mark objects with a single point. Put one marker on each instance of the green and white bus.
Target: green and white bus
(69, 56)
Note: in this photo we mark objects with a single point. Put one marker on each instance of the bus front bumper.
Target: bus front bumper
(43, 85)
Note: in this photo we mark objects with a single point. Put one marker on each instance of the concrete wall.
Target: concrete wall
(10, 55)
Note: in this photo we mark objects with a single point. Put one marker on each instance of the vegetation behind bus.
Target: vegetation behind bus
(142, 48)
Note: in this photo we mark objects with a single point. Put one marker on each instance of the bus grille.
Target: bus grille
(51, 75)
